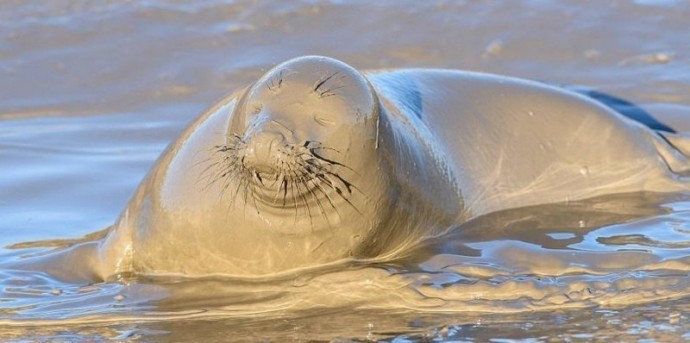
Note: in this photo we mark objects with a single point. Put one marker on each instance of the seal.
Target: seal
(317, 162)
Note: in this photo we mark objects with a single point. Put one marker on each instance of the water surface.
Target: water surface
(92, 92)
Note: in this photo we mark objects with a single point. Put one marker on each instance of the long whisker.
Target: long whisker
(303, 198)
(303, 175)
(313, 195)
(322, 82)
(317, 184)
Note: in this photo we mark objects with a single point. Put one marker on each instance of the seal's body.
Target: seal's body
(513, 143)
(317, 162)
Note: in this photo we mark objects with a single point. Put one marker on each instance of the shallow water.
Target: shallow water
(91, 92)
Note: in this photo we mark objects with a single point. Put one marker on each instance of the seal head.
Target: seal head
(299, 137)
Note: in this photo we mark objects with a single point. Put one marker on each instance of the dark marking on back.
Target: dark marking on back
(622, 106)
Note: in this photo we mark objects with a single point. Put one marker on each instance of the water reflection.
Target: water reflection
(99, 74)
(613, 250)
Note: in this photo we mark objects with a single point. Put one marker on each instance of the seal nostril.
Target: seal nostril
(283, 130)
(261, 153)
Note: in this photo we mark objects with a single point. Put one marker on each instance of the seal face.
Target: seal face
(298, 136)
(285, 174)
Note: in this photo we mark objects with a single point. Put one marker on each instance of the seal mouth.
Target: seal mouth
(296, 176)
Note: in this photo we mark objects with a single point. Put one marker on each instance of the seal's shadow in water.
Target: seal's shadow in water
(553, 227)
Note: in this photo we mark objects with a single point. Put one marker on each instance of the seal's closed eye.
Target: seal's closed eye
(324, 120)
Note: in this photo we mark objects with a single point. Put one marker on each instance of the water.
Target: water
(91, 92)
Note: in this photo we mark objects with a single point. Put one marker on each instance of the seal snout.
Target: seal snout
(261, 152)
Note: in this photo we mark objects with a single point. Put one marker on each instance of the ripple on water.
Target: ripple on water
(611, 251)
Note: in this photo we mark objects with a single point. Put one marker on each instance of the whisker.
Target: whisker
(292, 192)
(302, 197)
(348, 185)
(277, 193)
(310, 179)
(285, 187)
(246, 194)
(328, 197)
(321, 83)
(314, 196)
(319, 145)
(330, 92)
(327, 160)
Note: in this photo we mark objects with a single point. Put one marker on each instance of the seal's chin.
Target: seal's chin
(266, 175)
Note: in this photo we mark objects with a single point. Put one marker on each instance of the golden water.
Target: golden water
(91, 92)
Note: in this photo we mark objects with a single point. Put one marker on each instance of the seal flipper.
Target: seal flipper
(70, 260)
(680, 141)
(75, 264)
(675, 150)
